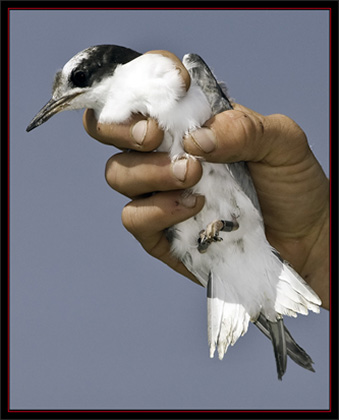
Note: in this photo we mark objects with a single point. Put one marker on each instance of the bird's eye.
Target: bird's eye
(79, 78)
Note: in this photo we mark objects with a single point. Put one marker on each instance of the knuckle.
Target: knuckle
(298, 132)
(112, 173)
(90, 124)
(293, 133)
(127, 218)
(250, 128)
(254, 129)
(131, 221)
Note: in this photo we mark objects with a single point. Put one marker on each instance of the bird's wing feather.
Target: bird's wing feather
(277, 334)
(294, 351)
(294, 295)
(216, 95)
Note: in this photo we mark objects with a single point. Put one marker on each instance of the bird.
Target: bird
(224, 246)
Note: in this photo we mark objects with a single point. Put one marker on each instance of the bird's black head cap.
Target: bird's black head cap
(98, 62)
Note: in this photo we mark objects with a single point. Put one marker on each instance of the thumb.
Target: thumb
(245, 135)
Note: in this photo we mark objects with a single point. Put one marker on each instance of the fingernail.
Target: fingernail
(139, 131)
(179, 169)
(204, 138)
(188, 200)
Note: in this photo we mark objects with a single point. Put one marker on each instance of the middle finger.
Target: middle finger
(134, 174)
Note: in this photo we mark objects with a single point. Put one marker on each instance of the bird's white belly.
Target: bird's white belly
(243, 259)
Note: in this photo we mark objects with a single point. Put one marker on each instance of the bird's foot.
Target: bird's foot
(211, 233)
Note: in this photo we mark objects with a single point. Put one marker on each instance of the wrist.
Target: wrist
(316, 270)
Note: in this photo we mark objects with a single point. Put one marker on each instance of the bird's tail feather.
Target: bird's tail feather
(226, 321)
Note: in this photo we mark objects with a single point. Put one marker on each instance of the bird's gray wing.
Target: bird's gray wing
(216, 94)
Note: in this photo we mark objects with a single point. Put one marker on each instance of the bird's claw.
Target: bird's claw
(211, 233)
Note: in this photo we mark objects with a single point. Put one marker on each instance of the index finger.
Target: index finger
(138, 133)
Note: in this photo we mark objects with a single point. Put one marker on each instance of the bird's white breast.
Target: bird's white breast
(150, 85)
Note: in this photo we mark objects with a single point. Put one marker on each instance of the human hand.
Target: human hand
(291, 186)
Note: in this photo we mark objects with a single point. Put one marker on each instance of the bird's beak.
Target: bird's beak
(51, 108)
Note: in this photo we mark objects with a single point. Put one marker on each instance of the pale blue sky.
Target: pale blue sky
(95, 322)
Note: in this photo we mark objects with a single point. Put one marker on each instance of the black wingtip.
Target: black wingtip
(297, 353)
(294, 351)
(277, 333)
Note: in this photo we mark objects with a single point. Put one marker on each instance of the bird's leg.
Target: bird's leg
(211, 233)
